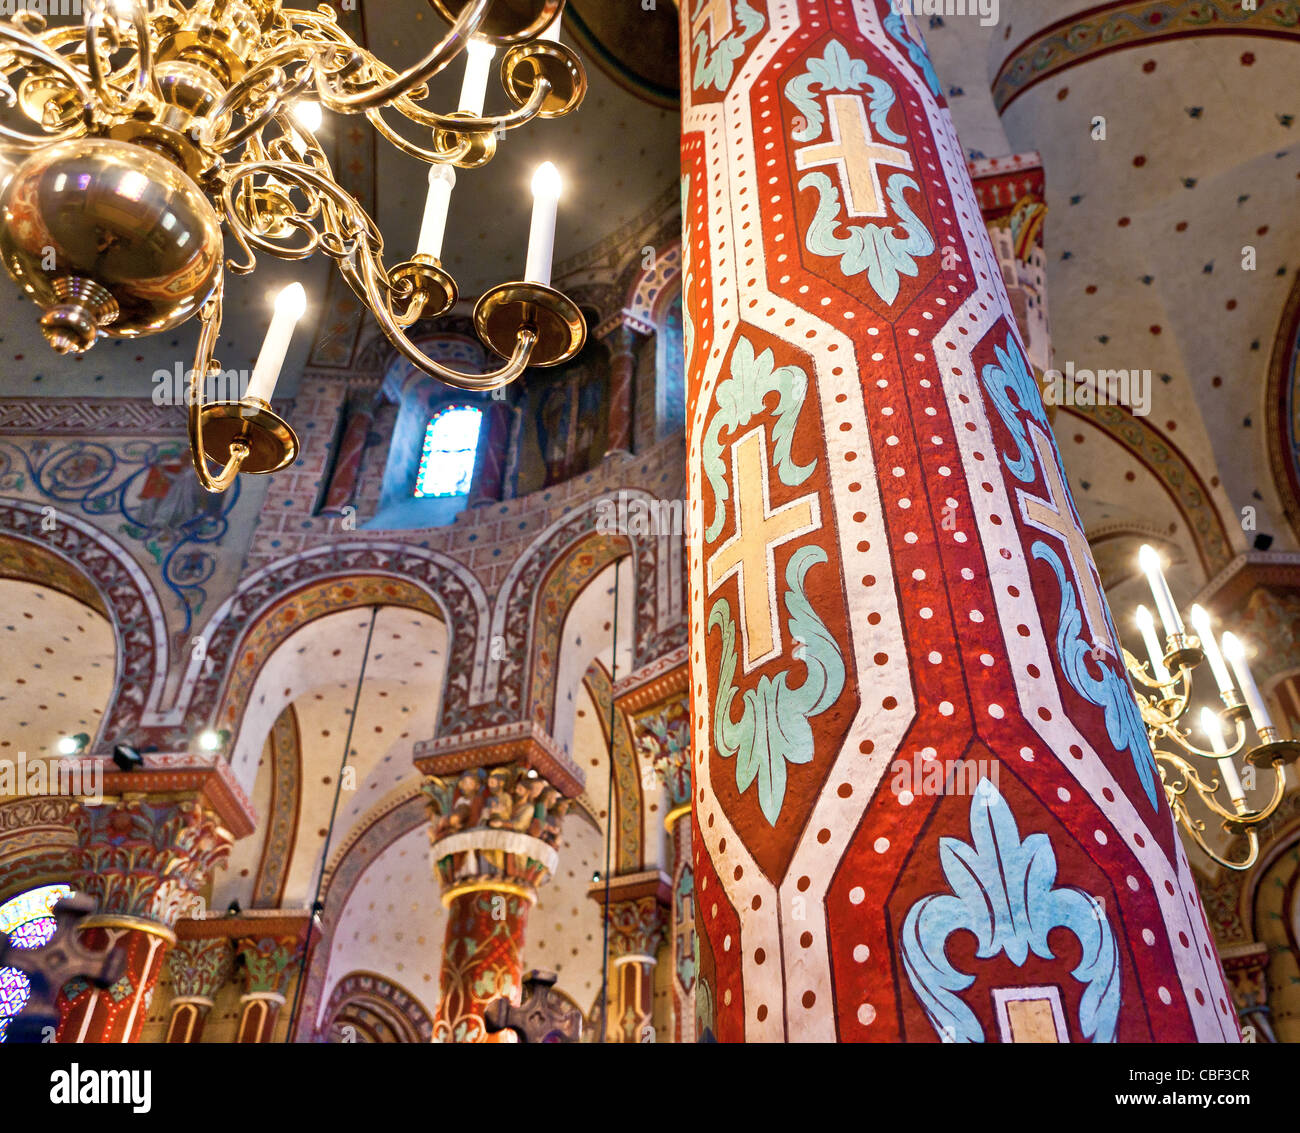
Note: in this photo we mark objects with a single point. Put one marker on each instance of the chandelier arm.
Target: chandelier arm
(210, 320)
(25, 44)
(432, 157)
(415, 76)
(1264, 813)
(366, 283)
(520, 116)
(282, 89)
(1210, 756)
(144, 80)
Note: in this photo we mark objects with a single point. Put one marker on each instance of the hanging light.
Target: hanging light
(164, 127)
(1163, 689)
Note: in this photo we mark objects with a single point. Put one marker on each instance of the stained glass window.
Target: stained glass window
(29, 921)
(450, 445)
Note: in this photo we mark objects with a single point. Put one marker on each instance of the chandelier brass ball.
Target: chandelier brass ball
(109, 238)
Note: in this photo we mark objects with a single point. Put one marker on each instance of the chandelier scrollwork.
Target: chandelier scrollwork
(156, 127)
(1163, 688)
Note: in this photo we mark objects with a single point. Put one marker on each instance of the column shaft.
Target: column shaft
(908, 698)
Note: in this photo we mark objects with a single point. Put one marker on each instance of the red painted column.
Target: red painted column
(482, 959)
(621, 339)
(496, 811)
(145, 852)
(916, 753)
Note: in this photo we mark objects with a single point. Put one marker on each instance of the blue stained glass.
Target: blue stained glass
(32, 934)
(450, 446)
(29, 922)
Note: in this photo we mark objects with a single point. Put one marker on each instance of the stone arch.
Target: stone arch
(628, 818)
(513, 630)
(1190, 495)
(85, 563)
(646, 295)
(281, 598)
(1280, 408)
(37, 843)
(379, 1008)
(383, 827)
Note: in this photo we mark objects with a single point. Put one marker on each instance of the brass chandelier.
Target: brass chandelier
(1163, 687)
(156, 127)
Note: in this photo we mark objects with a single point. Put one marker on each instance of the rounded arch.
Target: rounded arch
(365, 843)
(632, 520)
(1280, 409)
(377, 1008)
(283, 597)
(51, 548)
(1188, 493)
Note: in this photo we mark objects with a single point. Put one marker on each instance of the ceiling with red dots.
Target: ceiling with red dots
(1171, 164)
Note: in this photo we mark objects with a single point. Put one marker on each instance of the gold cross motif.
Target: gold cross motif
(856, 154)
(749, 553)
(717, 14)
(1055, 516)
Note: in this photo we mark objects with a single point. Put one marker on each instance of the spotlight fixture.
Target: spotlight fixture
(234, 909)
(596, 876)
(532, 773)
(127, 758)
(159, 128)
(72, 745)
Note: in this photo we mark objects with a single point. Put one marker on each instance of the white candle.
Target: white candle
(1205, 631)
(1148, 627)
(290, 306)
(541, 236)
(1210, 725)
(1236, 655)
(442, 178)
(1149, 561)
(552, 31)
(478, 67)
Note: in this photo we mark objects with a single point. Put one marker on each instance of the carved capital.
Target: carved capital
(199, 968)
(499, 825)
(637, 914)
(149, 859)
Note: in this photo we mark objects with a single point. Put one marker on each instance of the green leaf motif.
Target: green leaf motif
(876, 249)
(741, 398)
(837, 70)
(775, 730)
(716, 71)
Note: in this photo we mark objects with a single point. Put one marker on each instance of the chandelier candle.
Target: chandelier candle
(1147, 626)
(1205, 631)
(290, 305)
(1236, 655)
(442, 179)
(1149, 560)
(1212, 728)
(552, 33)
(541, 236)
(478, 68)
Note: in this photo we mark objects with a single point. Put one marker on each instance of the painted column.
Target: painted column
(494, 436)
(909, 704)
(495, 836)
(660, 711)
(622, 340)
(199, 970)
(637, 921)
(144, 853)
(270, 961)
